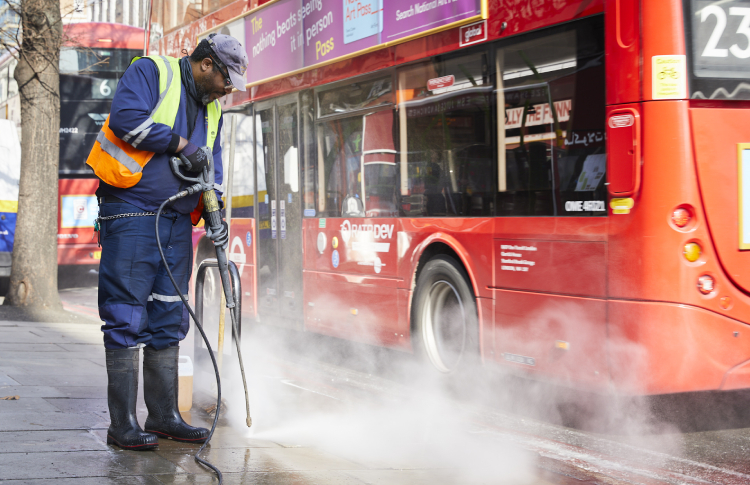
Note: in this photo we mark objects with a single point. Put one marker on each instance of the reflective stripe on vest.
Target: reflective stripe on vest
(119, 162)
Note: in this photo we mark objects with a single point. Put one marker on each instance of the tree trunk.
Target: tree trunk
(33, 279)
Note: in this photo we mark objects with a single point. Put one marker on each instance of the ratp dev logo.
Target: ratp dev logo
(360, 231)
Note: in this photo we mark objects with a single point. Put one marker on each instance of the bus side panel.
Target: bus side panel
(76, 241)
(659, 348)
(242, 252)
(353, 307)
(559, 336)
(350, 279)
(567, 267)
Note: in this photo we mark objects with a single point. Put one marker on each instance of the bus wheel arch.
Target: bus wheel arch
(444, 318)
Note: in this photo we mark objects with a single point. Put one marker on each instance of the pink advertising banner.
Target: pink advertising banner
(290, 35)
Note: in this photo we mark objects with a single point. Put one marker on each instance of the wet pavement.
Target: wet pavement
(332, 412)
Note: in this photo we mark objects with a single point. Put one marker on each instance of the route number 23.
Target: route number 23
(711, 49)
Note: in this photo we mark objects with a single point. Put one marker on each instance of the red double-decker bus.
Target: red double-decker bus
(560, 187)
(93, 57)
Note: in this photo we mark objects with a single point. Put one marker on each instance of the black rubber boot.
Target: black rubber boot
(160, 384)
(122, 391)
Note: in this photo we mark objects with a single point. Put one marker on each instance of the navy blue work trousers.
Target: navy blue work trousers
(137, 301)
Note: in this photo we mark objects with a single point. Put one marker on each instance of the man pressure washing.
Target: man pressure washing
(163, 107)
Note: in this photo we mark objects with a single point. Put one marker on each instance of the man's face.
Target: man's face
(210, 83)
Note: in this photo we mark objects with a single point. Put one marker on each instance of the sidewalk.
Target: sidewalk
(56, 431)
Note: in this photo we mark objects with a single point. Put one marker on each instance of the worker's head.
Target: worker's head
(219, 64)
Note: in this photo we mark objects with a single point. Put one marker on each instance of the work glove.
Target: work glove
(194, 158)
(220, 237)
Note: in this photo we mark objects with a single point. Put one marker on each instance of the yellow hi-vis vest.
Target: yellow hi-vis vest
(119, 162)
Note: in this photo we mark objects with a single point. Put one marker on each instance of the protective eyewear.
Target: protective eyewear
(225, 74)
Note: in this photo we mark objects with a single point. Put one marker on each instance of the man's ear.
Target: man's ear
(206, 64)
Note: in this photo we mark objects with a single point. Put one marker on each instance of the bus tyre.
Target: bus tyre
(445, 315)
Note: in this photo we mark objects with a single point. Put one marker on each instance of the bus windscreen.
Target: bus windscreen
(718, 37)
(88, 80)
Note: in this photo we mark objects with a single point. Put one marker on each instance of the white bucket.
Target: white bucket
(185, 383)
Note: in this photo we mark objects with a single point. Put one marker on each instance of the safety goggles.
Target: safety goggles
(225, 74)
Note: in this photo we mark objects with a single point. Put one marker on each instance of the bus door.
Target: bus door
(279, 212)
(351, 278)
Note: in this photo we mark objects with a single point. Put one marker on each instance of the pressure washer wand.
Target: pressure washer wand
(212, 216)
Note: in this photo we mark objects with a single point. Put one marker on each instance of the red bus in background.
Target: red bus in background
(92, 60)
(559, 188)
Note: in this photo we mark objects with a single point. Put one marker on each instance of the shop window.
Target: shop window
(445, 137)
(550, 113)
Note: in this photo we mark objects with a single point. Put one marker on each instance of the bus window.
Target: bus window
(446, 151)
(356, 96)
(88, 80)
(379, 165)
(550, 102)
(243, 177)
(339, 160)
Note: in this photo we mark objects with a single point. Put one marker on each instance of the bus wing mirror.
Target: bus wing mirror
(623, 151)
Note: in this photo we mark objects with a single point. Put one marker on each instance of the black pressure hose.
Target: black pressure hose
(203, 334)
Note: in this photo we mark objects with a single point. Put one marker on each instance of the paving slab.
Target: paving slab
(144, 480)
(96, 392)
(25, 405)
(57, 354)
(84, 347)
(67, 405)
(7, 381)
(43, 441)
(111, 463)
(63, 380)
(50, 421)
(37, 349)
(30, 391)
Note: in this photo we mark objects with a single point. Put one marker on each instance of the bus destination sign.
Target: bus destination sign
(293, 35)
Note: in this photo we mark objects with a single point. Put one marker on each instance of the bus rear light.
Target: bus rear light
(681, 217)
(692, 251)
(725, 302)
(706, 284)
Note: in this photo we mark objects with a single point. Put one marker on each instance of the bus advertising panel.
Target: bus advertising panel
(292, 35)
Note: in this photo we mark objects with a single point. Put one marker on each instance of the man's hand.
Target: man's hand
(194, 158)
(221, 236)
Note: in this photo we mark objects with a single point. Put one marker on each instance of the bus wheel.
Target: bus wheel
(445, 315)
(211, 281)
